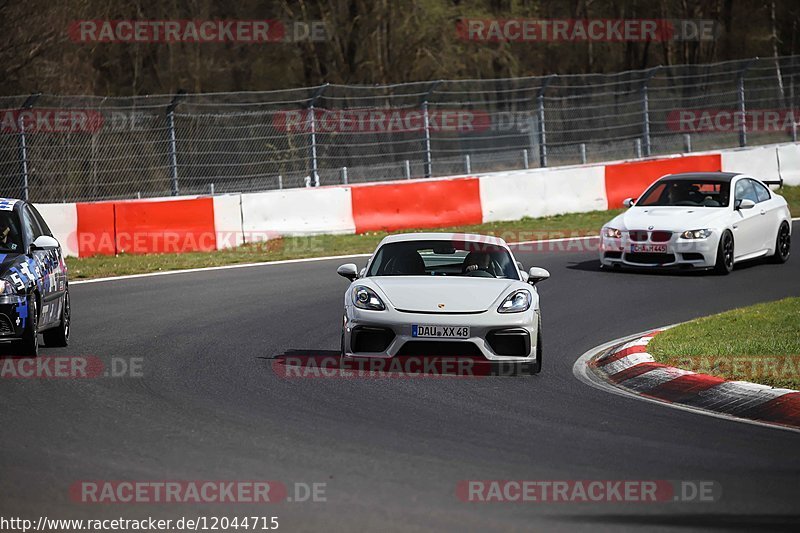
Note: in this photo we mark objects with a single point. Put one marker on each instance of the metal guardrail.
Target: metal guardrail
(72, 148)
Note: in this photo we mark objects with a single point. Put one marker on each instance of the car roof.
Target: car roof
(8, 204)
(715, 176)
(433, 236)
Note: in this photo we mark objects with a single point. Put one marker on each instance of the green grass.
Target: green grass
(760, 343)
(527, 229)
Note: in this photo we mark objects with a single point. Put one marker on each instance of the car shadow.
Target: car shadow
(593, 265)
(328, 363)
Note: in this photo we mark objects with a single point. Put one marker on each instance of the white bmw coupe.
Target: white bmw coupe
(706, 220)
(441, 294)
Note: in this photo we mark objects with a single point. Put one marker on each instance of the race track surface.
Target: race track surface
(210, 407)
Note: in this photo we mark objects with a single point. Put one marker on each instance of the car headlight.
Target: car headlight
(696, 234)
(612, 233)
(516, 302)
(365, 298)
(7, 287)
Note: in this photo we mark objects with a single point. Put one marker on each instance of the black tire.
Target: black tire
(59, 336)
(536, 367)
(724, 263)
(783, 245)
(28, 345)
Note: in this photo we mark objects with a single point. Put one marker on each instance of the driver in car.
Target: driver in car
(477, 261)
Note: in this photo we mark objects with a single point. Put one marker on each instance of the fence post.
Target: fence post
(467, 164)
(540, 120)
(312, 121)
(646, 110)
(637, 148)
(583, 153)
(407, 166)
(427, 124)
(23, 144)
(173, 149)
(344, 175)
(740, 94)
(525, 162)
(687, 142)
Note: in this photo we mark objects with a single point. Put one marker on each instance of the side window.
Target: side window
(745, 191)
(42, 224)
(761, 192)
(30, 226)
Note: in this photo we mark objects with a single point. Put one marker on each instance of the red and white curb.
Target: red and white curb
(624, 367)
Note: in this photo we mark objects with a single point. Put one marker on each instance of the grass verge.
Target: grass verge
(527, 229)
(759, 343)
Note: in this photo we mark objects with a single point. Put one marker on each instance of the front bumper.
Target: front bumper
(13, 316)
(490, 333)
(679, 252)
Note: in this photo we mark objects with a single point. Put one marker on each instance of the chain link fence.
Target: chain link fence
(71, 148)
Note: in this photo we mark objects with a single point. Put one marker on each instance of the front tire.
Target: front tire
(59, 336)
(28, 345)
(724, 263)
(536, 367)
(783, 245)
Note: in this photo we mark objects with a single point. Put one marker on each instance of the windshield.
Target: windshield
(10, 236)
(443, 258)
(689, 193)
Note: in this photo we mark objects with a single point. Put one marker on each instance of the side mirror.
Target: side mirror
(537, 274)
(44, 242)
(349, 271)
(629, 202)
(744, 204)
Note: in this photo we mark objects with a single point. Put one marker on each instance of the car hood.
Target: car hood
(440, 294)
(668, 218)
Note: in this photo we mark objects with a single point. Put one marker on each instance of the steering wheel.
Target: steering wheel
(480, 274)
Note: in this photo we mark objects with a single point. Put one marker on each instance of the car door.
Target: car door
(747, 232)
(42, 264)
(770, 210)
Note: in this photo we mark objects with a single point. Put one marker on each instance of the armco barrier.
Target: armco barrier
(212, 223)
(63, 222)
(432, 203)
(542, 192)
(228, 221)
(761, 161)
(630, 179)
(297, 212)
(789, 163)
(184, 225)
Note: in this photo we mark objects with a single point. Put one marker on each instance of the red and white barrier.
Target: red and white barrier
(212, 223)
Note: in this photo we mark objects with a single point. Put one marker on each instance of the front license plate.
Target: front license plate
(649, 248)
(446, 332)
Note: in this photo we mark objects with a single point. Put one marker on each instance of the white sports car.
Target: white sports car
(443, 294)
(699, 220)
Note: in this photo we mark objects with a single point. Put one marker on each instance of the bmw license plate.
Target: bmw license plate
(649, 248)
(440, 332)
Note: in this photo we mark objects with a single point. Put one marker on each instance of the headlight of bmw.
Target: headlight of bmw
(696, 234)
(365, 298)
(612, 233)
(516, 302)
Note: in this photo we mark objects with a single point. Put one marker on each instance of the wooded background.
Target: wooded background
(370, 42)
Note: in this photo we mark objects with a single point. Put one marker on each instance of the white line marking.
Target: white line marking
(585, 374)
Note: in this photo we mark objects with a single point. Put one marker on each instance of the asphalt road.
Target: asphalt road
(210, 407)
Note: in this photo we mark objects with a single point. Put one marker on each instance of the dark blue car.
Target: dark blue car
(34, 294)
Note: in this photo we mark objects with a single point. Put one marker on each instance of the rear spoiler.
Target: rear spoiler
(778, 182)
